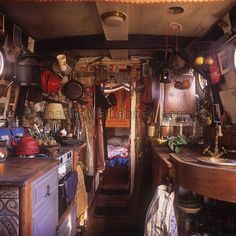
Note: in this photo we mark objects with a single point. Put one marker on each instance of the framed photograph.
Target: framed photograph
(17, 34)
(2, 23)
(224, 61)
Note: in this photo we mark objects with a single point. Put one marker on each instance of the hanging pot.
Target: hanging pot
(49, 82)
(73, 90)
(28, 71)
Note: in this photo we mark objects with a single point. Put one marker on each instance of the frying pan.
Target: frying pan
(73, 90)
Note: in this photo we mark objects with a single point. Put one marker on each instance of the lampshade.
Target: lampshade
(54, 111)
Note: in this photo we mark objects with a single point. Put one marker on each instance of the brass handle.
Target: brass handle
(48, 191)
(206, 149)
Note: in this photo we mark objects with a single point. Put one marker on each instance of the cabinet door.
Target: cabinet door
(68, 227)
(45, 220)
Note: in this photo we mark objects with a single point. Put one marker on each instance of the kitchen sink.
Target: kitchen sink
(216, 161)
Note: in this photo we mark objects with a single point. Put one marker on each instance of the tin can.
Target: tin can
(151, 130)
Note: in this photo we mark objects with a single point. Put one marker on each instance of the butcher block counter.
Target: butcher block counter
(28, 196)
(213, 181)
(22, 171)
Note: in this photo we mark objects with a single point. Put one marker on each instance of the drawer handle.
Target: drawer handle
(48, 191)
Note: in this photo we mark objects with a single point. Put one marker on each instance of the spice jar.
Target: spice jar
(3, 151)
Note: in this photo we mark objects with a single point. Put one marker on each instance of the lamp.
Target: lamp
(113, 18)
(165, 76)
(55, 112)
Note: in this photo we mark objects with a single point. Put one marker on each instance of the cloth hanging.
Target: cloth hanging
(71, 186)
(88, 126)
(82, 197)
(160, 218)
(100, 143)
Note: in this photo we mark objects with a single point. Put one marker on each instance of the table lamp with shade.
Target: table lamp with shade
(55, 112)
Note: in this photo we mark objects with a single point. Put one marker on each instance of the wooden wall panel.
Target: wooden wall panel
(178, 100)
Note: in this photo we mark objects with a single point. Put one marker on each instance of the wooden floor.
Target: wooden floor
(116, 225)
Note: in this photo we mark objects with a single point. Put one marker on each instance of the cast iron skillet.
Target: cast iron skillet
(73, 90)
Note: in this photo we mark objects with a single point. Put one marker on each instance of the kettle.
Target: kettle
(27, 145)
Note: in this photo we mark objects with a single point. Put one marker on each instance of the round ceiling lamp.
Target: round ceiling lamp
(175, 10)
(113, 18)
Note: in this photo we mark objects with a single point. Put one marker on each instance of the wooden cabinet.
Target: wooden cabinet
(119, 115)
(161, 166)
(68, 226)
(45, 204)
(28, 197)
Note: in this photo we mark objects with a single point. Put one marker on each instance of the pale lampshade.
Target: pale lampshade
(54, 111)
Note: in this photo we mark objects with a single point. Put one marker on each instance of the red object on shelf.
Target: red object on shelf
(215, 72)
(27, 145)
(49, 82)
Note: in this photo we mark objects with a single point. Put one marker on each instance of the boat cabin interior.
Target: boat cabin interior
(117, 117)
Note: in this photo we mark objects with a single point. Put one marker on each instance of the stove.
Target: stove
(65, 163)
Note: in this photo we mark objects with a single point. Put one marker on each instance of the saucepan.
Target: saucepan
(73, 90)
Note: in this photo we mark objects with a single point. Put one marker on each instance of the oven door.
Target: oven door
(67, 191)
(62, 201)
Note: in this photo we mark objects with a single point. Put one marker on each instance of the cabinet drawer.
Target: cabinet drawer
(45, 220)
(44, 187)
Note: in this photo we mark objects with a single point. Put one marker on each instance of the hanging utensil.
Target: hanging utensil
(73, 90)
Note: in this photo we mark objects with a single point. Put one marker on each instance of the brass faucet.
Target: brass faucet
(216, 152)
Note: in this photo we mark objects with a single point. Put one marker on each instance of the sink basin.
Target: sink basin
(217, 161)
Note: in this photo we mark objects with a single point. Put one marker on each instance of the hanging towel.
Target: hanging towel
(71, 186)
(100, 143)
(82, 197)
(160, 217)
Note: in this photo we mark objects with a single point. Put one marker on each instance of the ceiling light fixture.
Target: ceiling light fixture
(175, 10)
(113, 18)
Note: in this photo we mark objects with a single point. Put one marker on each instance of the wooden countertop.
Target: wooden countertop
(217, 182)
(21, 171)
(163, 152)
(77, 147)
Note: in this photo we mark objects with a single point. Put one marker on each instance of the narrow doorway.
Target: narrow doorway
(115, 180)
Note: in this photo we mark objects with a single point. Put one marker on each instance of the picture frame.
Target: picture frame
(17, 34)
(224, 61)
(4, 99)
(2, 23)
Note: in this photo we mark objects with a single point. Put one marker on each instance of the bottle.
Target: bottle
(17, 122)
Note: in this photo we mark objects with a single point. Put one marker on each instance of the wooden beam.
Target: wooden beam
(99, 42)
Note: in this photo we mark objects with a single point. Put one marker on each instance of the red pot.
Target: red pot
(27, 145)
(49, 82)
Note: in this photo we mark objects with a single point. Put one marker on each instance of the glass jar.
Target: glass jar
(3, 151)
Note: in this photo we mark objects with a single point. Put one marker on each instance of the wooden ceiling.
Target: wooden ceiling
(53, 20)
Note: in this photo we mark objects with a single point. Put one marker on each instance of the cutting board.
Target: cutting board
(228, 98)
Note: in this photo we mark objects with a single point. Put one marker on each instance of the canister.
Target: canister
(151, 130)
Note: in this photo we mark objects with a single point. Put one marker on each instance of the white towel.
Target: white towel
(160, 217)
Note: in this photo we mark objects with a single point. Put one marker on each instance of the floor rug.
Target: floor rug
(107, 212)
